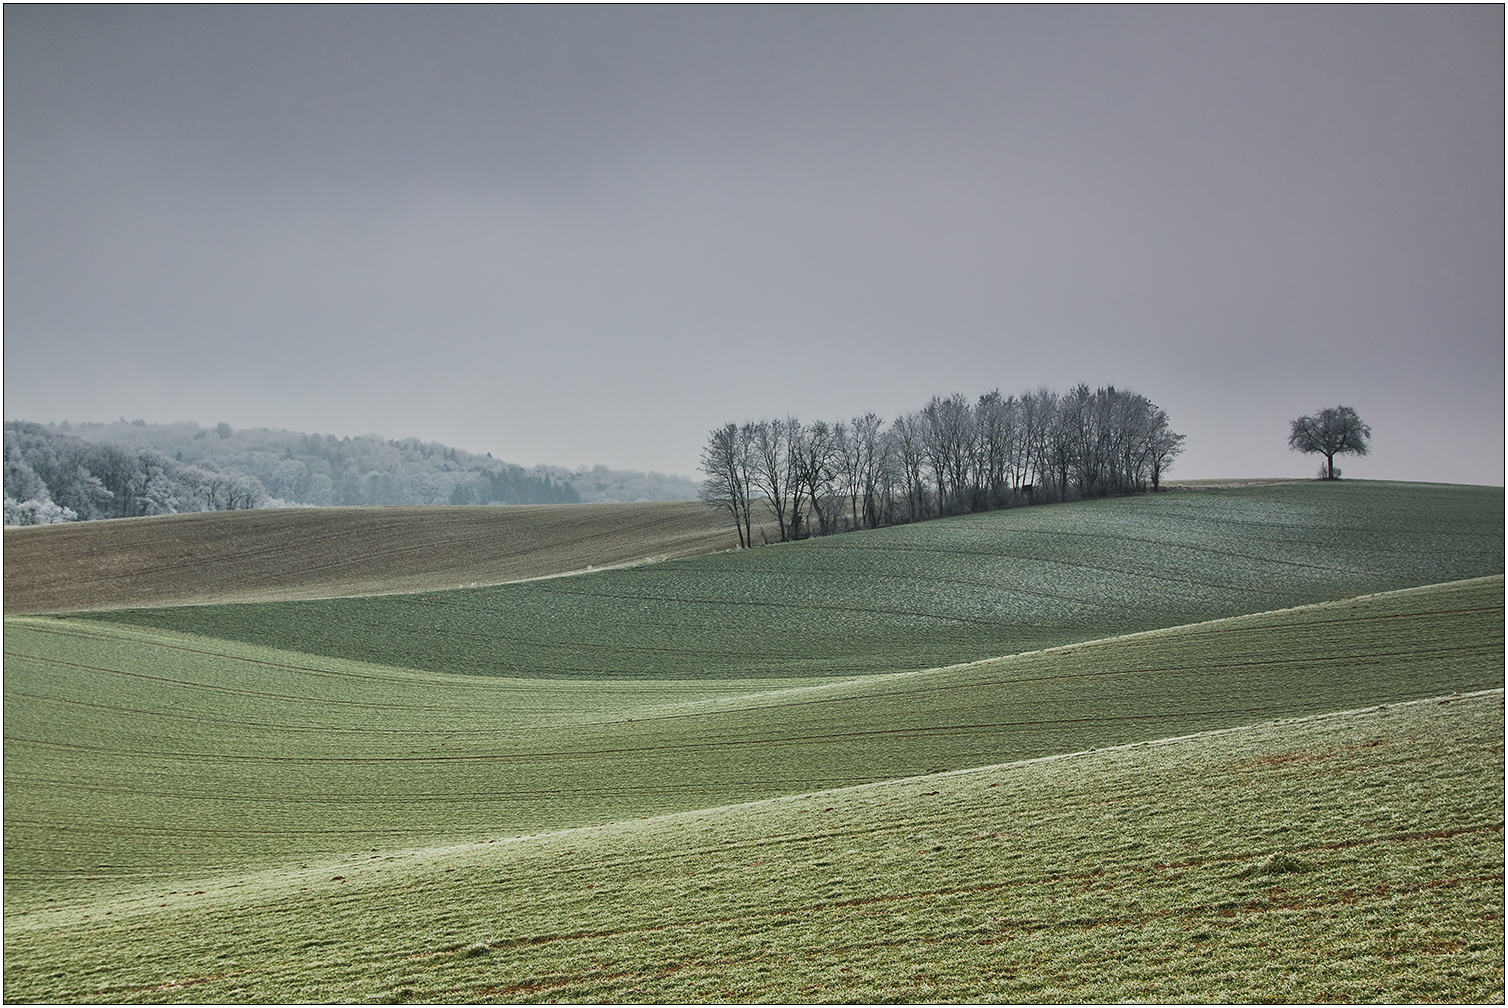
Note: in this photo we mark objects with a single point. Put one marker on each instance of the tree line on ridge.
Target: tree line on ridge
(951, 457)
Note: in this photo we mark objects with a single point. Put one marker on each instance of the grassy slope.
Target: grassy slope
(1350, 857)
(912, 597)
(148, 772)
(227, 556)
(137, 758)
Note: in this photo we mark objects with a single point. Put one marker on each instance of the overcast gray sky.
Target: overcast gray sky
(589, 234)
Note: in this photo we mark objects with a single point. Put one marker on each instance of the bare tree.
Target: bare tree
(869, 458)
(1039, 411)
(725, 460)
(1129, 419)
(909, 450)
(850, 466)
(816, 455)
(1330, 432)
(795, 441)
(1065, 441)
(1165, 447)
(948, 439)
(770, 460)
(995, 419)
(745, 457)
(1084, 430)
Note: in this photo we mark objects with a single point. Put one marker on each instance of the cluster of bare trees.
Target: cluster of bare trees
(951, 457)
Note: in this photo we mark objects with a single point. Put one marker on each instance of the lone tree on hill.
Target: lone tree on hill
(1330, 432)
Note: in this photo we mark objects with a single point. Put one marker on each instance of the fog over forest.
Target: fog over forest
(62, 472)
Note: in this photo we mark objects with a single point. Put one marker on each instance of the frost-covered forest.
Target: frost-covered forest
(62, 472)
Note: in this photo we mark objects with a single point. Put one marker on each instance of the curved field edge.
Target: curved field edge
(911, 597)
(1352, 856)
(135, 759)
(300, 553)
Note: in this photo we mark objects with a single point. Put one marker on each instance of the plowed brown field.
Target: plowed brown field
(305, 553)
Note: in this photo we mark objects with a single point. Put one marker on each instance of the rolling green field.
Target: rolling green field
(1350, 857)
(912, 597)
(134, 755)
(755, 775)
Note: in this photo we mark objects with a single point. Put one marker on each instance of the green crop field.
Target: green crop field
(1351, 857)
(912, 597)
(754, 775)
(133, 755)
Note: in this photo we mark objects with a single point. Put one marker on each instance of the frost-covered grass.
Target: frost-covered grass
(912, 597)
(1352, 857)
(136, 757)
(304, 801)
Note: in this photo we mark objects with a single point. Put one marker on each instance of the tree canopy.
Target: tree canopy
(1330, 432)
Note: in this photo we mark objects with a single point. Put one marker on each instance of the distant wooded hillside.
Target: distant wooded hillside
(61, 472)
